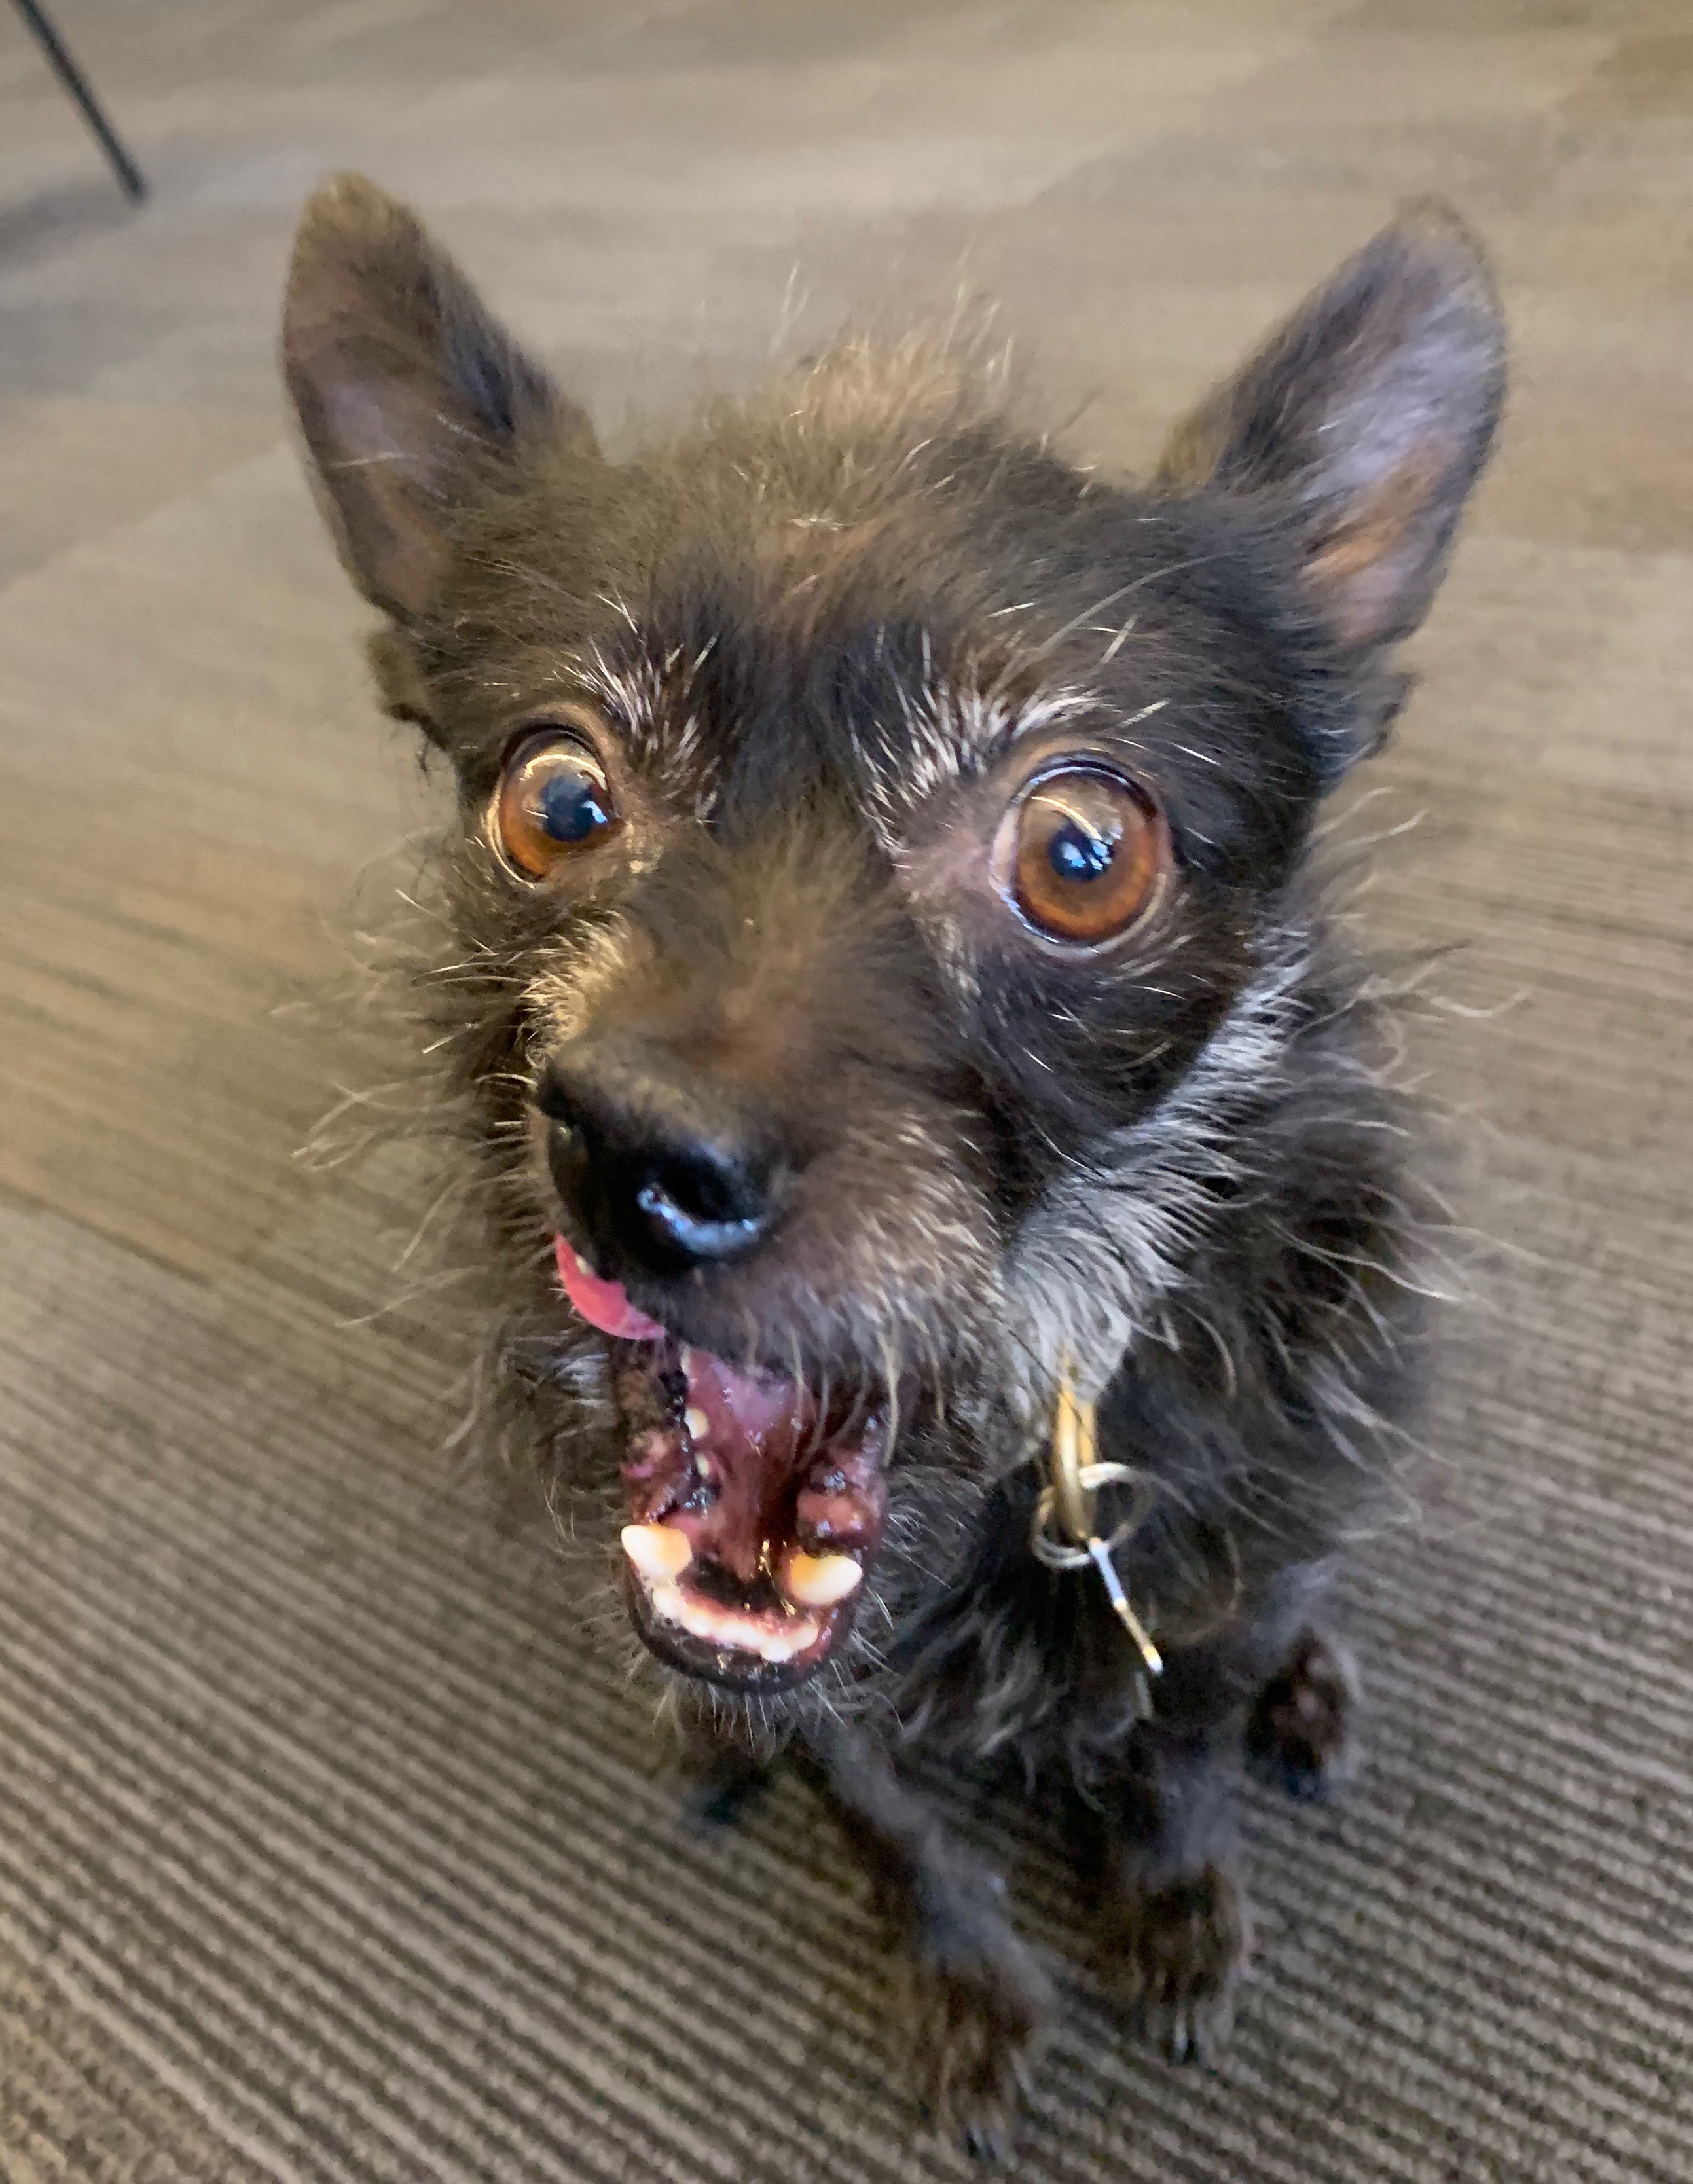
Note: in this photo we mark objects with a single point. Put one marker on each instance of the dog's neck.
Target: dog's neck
(1095, 1266)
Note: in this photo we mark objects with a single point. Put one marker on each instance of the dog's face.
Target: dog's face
(876, 835)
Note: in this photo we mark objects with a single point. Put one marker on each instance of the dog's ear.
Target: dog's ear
(1363, 422)
(413, 400)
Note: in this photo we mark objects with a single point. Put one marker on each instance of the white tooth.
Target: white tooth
(698, 1425)
(687, 1359)
(697, 1616)
(724, 1628)
(660, 1551)
(777, 1645)
(719, 1626)
(819, 1580)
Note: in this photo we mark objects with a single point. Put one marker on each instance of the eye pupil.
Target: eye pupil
(569, 807)
(1075, 853)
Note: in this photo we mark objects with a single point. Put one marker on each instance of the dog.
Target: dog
(898, 1001)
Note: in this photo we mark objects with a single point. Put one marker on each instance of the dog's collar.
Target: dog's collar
(1064, 1534)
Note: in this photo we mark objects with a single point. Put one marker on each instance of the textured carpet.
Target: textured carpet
(325, 1852)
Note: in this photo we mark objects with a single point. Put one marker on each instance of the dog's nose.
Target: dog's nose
(660, 1169)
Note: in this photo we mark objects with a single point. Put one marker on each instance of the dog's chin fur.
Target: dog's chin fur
(819, 646)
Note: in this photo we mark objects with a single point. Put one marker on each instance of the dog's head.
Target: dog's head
(877, 844)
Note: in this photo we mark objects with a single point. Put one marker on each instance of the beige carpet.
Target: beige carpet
(324, 1853)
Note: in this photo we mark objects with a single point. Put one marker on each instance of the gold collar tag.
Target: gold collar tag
(1064, 1535)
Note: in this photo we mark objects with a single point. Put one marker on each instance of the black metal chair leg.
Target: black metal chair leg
(131, 180)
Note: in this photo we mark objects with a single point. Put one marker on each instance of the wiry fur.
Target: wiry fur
(822, 630)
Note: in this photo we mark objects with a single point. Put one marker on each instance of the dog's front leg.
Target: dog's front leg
(977, 1998)
(1175, 1932)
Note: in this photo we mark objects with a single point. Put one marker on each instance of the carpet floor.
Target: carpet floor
(327, 1854)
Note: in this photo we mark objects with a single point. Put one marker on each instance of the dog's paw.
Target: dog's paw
(1300, 1732)
(1178, 1952)
(977, 2004)
(720, 1777)
(720, 1791)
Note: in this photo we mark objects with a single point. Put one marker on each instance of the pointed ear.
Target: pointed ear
(1364, 422)
(412, 399)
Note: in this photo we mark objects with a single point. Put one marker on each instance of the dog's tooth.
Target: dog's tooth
(819, 1580)
(779, 1646)
(696, 1615)
(704, 1619)
(698, 1425)
(660, 1551)
(713, 1625)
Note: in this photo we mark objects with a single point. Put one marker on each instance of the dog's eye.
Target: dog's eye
(1081, 854)
(553, 800)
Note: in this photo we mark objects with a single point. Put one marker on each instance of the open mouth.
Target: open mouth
(756, 1505)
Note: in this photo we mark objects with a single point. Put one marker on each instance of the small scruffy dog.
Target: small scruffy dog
(895, 1005)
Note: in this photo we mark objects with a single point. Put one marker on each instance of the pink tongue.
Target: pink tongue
(602, 1304)
(754, 1408)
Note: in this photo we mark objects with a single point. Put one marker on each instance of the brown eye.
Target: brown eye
(554, 800)
(1081, 854)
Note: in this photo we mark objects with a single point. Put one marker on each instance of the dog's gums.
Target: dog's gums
(755, 1512)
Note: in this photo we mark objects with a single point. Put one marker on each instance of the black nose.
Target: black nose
(660, 1169)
